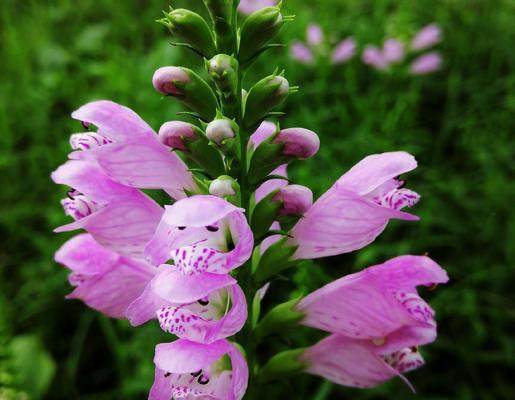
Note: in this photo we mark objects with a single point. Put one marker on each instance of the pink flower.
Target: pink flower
(300, 52)
(173, 133)
(249, 6)
(352, 213)
(296, 200)
(194, 233)
(425, 64)
(202, 308)
(103, 279)
(186, 369)
(393, 51)
(129, 151)
(314, 35)
(428, 36)
(263, 132)
(298, 142)
(272, 184)
(120, 218)
(374, 57)
(344, 51)
(378, 321)
(165, 77)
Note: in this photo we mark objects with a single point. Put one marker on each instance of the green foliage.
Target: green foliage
(459, 123)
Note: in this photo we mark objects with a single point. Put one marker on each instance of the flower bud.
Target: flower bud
(173, 134)
(223, 186)
(374, 57)
(296, 200)
(219, 130)
(164, 80)
(258, 29)
(298, 142)
(314, 35)
(192, 29)
(223, 69)
(263, 97)
(344, 51)
(189, 88)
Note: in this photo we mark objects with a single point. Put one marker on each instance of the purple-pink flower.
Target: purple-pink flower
(344, 51)
(428, 36)
(352, 213)
(186, 369)
(426, 63)
(249, 6)
(377, 317)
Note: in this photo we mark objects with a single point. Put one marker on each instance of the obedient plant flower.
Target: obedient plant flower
(202, 309)
(379, 304)
(132, 153)
(120, 218)
(198, 233)
(428, 36)
(103, 279)
(344, 51)
(358, 363)
(197, 265)
(374, 57)
(187, 370)
(357, 208)
(425, 64)
(393, 51)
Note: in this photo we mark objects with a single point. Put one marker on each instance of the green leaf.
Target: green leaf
(282, 364)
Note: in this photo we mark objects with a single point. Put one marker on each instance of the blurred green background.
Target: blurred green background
(459, 122)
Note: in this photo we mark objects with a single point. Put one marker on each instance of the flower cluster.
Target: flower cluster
(201, 263)
(393, 51)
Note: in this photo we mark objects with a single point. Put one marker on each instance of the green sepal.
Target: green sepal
(205, 155)
(197, 95)
(264, 214)
(202, 188)
(282, 364)
(274, 260)
(220, 12)
(280, 318)
(263, 97)
(191, 28)
(265, 158)
(256, 310)
(258, 29)
(223, 70)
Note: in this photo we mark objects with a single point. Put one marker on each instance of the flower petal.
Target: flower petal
(115, 121)
(175, 287)
(347, 362)
(141, 163)
(105, 281)
(340, 222)
(376, 169)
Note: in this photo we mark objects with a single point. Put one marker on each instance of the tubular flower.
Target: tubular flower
(378, 321)
(120, 218)
(128, 150)
(357, 208)
(428, 36)
(103, 279)
(199, 308)
(344, 51)
(198, 233)
(427, 63)
(186, 369)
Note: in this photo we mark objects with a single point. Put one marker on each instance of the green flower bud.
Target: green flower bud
(223, 186)
(258, 29)
(263, 97)
(220, 11)
(223, 69)
(185, 85)
(191, 28)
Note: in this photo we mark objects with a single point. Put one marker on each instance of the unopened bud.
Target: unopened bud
(296, 200)
(298, 142)
(165, 78)
(223, 69)
(174, 133)
(258, 29)
(219, 130)
(263, 97)
(223, 186)
(189, 88)
(192, 29)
